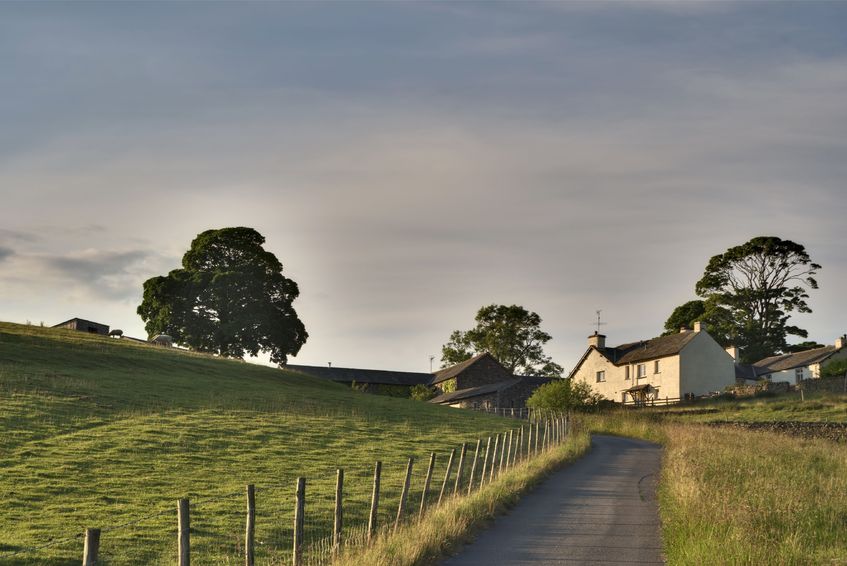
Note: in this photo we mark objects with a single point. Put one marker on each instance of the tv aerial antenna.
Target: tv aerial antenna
(598, 323)
(430, 363)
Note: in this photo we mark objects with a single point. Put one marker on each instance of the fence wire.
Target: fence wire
(218, 522)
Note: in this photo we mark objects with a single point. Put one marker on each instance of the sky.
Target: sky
(411, 162)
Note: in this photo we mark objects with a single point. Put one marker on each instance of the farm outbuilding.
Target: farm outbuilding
(83, 325)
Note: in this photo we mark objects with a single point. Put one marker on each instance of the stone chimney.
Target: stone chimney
(597, 340)
(698, 326)
(841, 341)
(732, 351)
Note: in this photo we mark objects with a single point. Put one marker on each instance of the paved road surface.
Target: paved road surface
(600, 510)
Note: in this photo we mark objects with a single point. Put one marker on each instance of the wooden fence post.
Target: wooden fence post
(509, 453)
(250, 534)
(299, 520)
(494, 458)
(460, 469)
(502, 454)
(183, 533)
(404, 494)
(485, 463)
(537, 426)
(519, 451)
(427, 481)
(338, 522)
(91, 547)
(446, 476)
(529, 441)
(473, 465)
(374, 502)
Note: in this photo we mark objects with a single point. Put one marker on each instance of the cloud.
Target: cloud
(98, 275)
(6, 252)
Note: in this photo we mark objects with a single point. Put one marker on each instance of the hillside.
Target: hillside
(99, 432)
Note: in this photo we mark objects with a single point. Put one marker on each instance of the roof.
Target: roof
(785, 362)
(642, 387)
(453, 371)
(79, 320)
(660, 347)
(475, 391)
(640, 351)
(348, 375)
(747, 371)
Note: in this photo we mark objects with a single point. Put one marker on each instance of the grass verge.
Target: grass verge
(445, 528)
(744, 497)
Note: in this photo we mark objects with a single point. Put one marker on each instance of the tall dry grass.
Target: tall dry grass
(741, 497)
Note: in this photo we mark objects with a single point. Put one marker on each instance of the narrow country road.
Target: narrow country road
(602, 509)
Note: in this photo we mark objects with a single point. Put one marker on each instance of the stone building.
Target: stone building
(83, 325)
(684, 364)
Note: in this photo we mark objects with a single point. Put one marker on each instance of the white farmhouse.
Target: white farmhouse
(672, 367)
(794, 368)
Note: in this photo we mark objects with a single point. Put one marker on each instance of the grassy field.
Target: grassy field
(742, 497)
(100, 432)
(814, 407)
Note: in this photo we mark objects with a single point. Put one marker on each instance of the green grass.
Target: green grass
(743, 497)
(98, 432)
(815, 407)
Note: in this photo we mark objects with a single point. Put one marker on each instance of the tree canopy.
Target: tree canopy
(755, 287)
(229, 298)
(511, 334)
(717, 319)
(563, 395)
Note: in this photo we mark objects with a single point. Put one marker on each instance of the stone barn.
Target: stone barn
(83, 325)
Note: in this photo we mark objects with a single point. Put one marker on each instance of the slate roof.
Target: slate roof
(453, 371)
(348, 375)
(475, 391)
(747, 371)
(784, 362)
(660, 347)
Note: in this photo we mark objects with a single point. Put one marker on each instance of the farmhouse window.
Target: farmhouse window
(798, 374)
(626, 373)
(601, 376)
(656, 368)
(642, 370)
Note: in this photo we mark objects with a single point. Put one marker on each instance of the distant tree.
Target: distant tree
(511, 334)
(562, 395)
(229, 298)
(838, 368)
(758, 284)
(684, 315)
(421, 392)
(717, 319)
(802, 346)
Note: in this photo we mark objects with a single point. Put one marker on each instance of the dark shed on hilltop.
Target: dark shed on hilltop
(84, 326)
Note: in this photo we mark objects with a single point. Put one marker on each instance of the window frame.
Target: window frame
(600, 376)
(641, 371)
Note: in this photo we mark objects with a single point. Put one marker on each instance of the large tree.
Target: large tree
(759, 284)
(511, 334)
(718, 320)
(229, 298)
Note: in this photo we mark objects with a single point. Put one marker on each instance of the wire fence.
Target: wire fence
(305, 522)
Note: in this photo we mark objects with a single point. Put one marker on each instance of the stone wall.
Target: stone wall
(824, 384)
(760, 387)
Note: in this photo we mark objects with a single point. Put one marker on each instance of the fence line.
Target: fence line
(316, 537)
